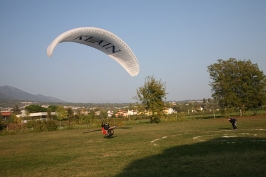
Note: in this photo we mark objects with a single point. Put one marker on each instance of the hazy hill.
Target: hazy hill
(12, 93)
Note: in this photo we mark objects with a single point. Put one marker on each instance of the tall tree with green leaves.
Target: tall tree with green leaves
(151, 97)
(237, 84)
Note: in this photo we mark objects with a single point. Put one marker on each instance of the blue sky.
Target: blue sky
(173, 40)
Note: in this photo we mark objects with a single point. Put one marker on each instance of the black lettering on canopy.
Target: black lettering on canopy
(92, 40)
(81, 36)
(88, 39)
(100, 42)
(114, 51)
(106, 44)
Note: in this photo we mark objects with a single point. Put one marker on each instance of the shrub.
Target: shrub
(51, 125)
(2, 126)
(42, 125)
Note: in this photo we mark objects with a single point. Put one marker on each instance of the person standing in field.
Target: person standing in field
(233, 121)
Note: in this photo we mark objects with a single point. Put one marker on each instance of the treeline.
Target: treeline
(58, 117)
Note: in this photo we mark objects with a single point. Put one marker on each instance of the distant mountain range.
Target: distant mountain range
(12, 93)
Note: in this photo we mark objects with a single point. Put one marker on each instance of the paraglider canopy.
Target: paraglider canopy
(102, 40)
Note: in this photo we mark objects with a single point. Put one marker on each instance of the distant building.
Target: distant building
(6, 114)
(110, 113)
(36, 114)
(131, 112)
(168, 110)
(121, 114)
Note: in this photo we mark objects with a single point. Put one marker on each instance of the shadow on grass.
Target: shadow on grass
(217, 157)
(208, 117)
(123, 127)
(109, 137)
(96, 130)
(99, 130)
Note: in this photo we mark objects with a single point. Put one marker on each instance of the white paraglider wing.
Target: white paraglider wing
(102, 40)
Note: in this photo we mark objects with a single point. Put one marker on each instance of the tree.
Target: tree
(70, 114)
(237, 84)
(52, 108)
(35, 108)
(16, 110)
(103, 114)
(91, 116)
(61, 113)
(1, 118)
(151, 97)
(49, 114)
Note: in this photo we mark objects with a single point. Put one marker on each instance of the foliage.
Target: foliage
(10, 119)
(2, 125)
(16, 110)
(16, 119)
(51, 126)
(237, 84)
(151, 96)
(42, 125)
(49, 114)
(35, 108)
(61, 113)
(103, 114)
(70, 114)
(52, 108)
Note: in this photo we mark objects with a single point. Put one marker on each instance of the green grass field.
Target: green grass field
(203, 147)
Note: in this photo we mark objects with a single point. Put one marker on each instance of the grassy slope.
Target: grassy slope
(191, 148)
